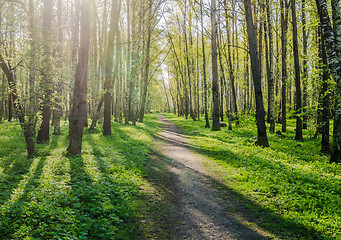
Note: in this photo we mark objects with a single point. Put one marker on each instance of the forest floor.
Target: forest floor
(199, 211)
(166, 179)
(285, 191)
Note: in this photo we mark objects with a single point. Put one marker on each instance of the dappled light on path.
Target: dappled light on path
(199, 210)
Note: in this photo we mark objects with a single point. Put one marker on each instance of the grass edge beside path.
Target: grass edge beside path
(113, 191)
(290, 189)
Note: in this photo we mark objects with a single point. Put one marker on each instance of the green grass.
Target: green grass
(115, 190)
(290, 188)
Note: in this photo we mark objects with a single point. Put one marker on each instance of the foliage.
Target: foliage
(102, 195)
(291, 188)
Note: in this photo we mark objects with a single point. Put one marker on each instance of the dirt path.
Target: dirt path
(200, 213)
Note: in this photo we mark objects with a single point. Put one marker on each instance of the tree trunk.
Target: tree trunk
(108, 68)
(147, 62)
(96, 114)
(324, 100)
(188, 64)
(234, 109)
(207, 125)
(44, 130)
(305, 66)
(25, 126)
(2, 98)
(134, 81)
(128, 70)
(262, 139)
(271, 81)
(215, 89)
(32, 100)
(57, 113)
(75, 46)
(332, 50)
(298, 95)
(284, 27)
(222, 77)
(120, 77)
(78, 113)
(2, 86)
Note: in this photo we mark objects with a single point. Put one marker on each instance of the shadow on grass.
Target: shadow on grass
(87, 203)
(285, 143)
(15, 169)
(266, 218)
(21, 178)
(150, 219)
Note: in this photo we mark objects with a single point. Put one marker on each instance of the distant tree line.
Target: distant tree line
(115, 59)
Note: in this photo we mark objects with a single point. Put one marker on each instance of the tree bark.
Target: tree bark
(57, 113)
(25, 126)
(222, 76)
(298, 95)
(108, 68)
(271, 81)
(332, 50)
(262, 139)
(44, 130)
(207, 123)
(305, 66)
(324, 99)
(147, 62)
(284, 27)
(78, 113)
(2, 98)
(32, 100)
(234, 109)
(96, 114)
(215, 89)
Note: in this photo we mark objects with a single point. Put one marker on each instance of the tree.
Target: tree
(298, 95)
(147, 63)
(270, 75)
(108, 68)
(262, 139)
(207, 125)
(324, 98)
(231, 70)
(215, 89)
(78, 114)
(26, 126)
(333, 56)
(305, 66)
(57, 113)
(284, 27)
(44, 130)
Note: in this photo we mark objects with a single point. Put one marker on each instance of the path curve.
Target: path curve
(200, 213)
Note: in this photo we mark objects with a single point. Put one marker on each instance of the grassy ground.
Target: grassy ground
(117, 189)
(290, 188)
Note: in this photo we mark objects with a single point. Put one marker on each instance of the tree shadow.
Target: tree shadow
(306, 150)
(265, 218)
(159, 171)
(152, 219)
(13, 204)
(15, 168)
(238, 161)
(87, 203)
(21, 180)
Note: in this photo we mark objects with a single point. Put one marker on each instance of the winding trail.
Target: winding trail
(200, 213)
